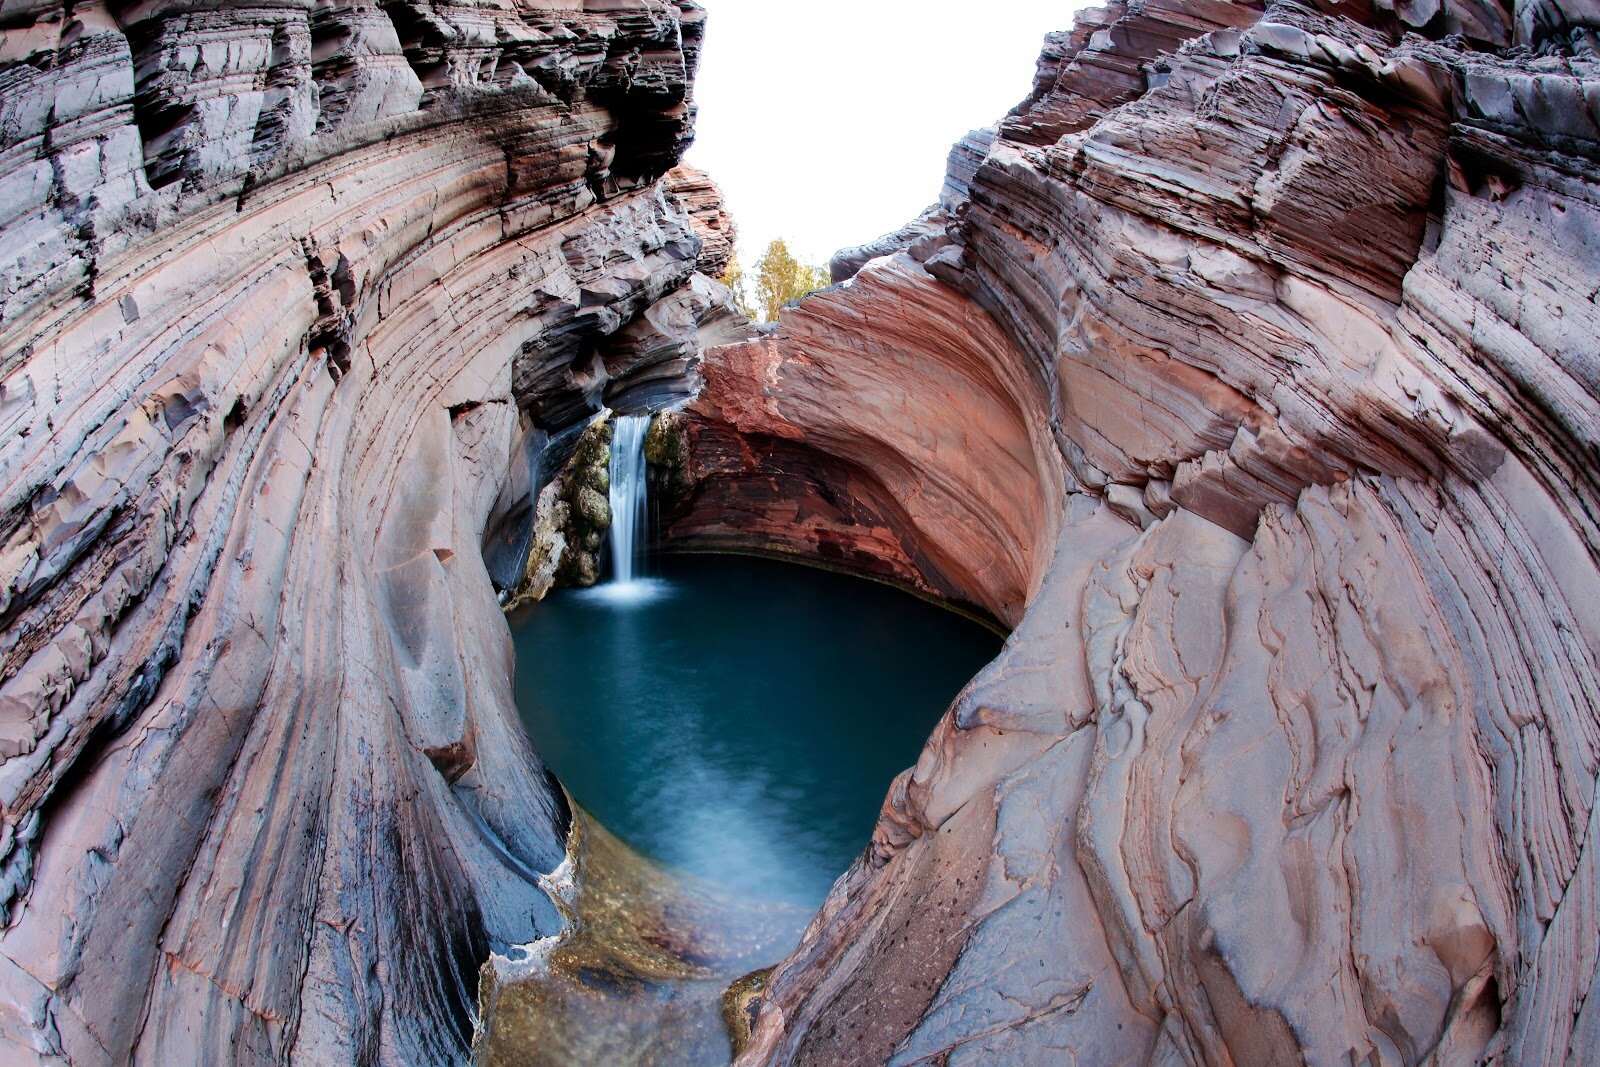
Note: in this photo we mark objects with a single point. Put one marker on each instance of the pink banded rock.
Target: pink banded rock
(1291, 756)
(1248, 371)
(281, 289)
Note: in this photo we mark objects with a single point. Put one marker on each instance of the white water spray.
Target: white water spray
(629, 537)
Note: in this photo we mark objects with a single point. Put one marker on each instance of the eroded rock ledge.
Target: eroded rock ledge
(285, 289)
(1250, 370)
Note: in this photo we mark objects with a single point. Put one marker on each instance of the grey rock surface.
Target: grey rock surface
(285, 290)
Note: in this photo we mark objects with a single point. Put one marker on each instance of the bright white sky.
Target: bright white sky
(827, 122)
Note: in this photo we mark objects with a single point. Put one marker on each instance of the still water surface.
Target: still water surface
(740, 719)
(731, 726)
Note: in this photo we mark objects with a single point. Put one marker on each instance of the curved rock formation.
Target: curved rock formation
(1250, 369)
(279, 283)
(890, 429)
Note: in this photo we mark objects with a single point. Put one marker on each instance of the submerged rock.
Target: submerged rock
(642, 978)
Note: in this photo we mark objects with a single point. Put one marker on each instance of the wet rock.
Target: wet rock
(642, 979)
(547, 548)
(740, 1005)
(666, 449)
(582, 488)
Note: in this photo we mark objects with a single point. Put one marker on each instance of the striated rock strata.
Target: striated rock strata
(1249, 370)
(287, 291)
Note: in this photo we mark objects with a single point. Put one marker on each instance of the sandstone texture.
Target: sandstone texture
(290, 292)
(710, 221)
(1250, 371)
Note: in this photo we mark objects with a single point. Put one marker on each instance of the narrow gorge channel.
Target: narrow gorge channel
(1245, 375)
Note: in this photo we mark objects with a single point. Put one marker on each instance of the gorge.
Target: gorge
(1247, 374)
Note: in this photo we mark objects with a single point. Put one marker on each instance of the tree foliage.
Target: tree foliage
(734, 278)
(779, 278)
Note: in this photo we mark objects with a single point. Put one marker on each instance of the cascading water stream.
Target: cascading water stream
(629, 536)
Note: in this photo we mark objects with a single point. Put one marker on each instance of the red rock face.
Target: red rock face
(848, 438)
(1276, 445)
(712, 223)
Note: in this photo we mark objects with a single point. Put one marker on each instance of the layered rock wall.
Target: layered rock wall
(283, 289)
(1247, 371)
(1249, 368)
(890, 429)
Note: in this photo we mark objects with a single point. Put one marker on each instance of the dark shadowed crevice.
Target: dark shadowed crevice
(423, 45)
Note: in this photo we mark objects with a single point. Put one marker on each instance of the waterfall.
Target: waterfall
(629, 535)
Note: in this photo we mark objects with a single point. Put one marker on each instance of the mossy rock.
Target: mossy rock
(591, 456)
(547, 547)
(664, 443)
(741, 1003)
(578, 569)
(666, 447)
(591, 510)
(585, 488)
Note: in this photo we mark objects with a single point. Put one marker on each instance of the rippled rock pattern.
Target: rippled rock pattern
(1251, 370)
(278, 283)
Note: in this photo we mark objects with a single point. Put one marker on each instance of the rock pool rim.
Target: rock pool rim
(588, 946)
(651, 588)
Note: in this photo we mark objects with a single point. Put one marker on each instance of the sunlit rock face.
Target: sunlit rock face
(284, 290)
(709, 219)
(1250, 369)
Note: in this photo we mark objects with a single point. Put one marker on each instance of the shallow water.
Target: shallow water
(740, 719)
(728, 729)
(640, 981)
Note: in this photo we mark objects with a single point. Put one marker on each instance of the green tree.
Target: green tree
(733, 277)
(780, 278)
